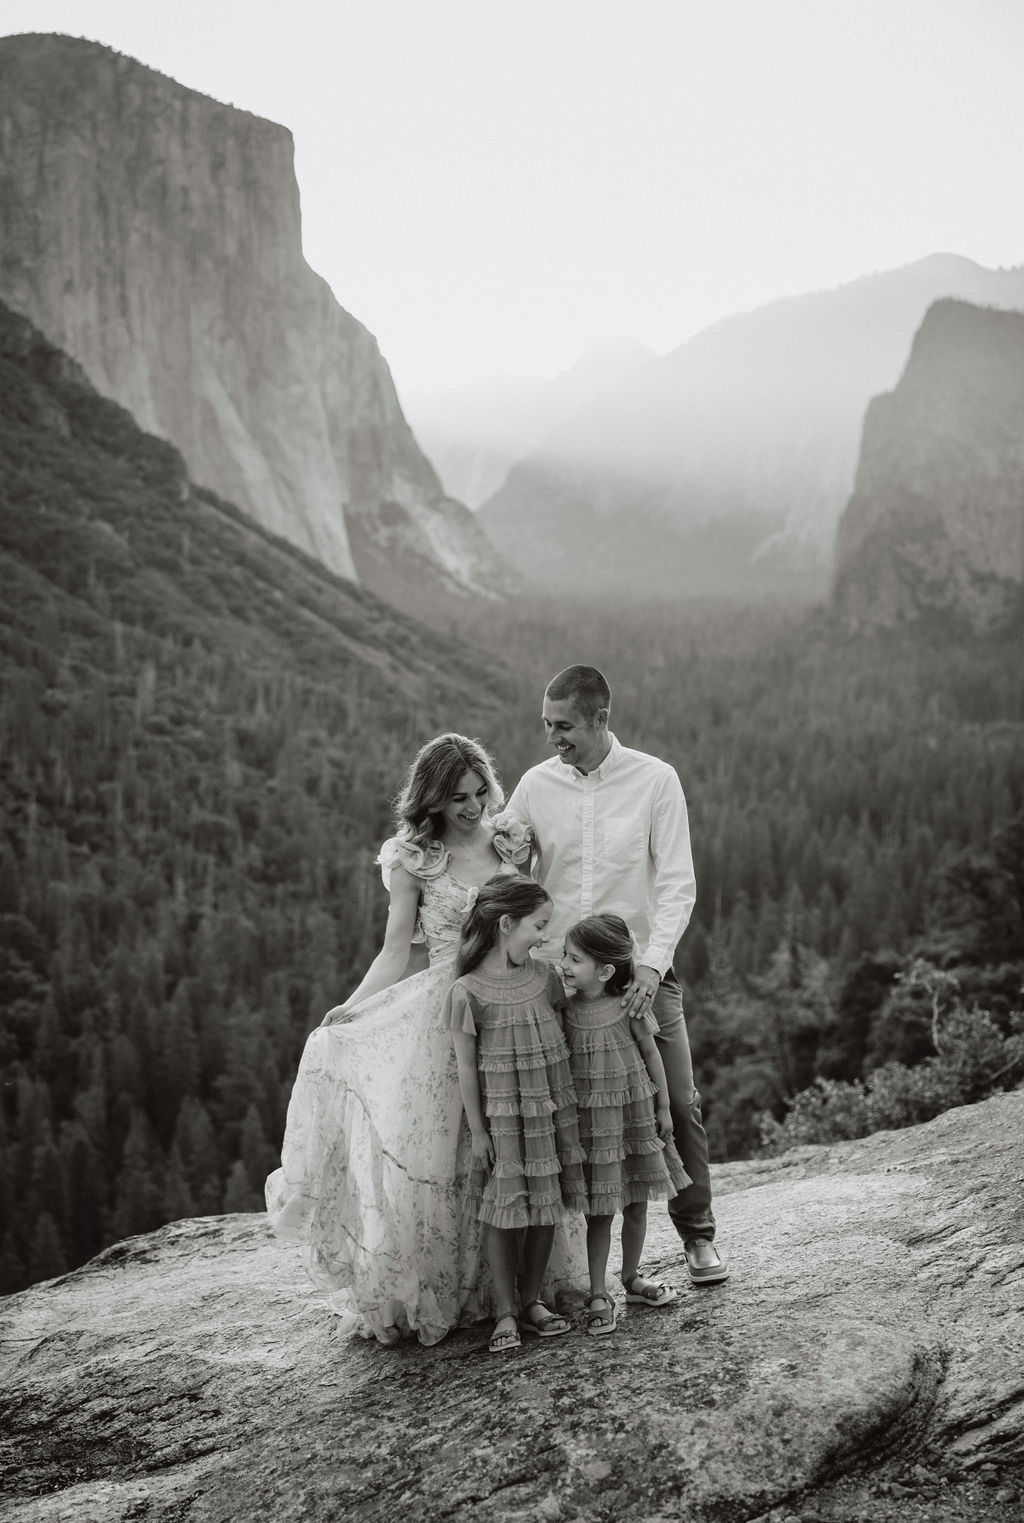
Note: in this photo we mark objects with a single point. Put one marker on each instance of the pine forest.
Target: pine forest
(202, 731)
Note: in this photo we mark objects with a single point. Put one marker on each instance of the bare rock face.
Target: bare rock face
(936, 520)
(862, 1362)
(154, 234)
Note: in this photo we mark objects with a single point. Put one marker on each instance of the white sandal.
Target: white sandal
(659, 1295)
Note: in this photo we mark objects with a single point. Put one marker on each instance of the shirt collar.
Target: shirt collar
(606, 767)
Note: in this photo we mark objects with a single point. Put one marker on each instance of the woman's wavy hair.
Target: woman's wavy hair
(606, 938)
(433, 778)
(504, 894)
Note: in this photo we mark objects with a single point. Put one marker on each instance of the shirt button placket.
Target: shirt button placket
(587, 848)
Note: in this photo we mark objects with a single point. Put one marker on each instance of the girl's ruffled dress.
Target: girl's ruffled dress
(625, 1159)
(527, 1095)
(376, 1157)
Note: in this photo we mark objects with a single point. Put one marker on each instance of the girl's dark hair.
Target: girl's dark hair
(435, 774)
(606, 938)
(504, 894)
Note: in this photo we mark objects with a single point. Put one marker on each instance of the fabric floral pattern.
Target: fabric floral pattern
(427, 863)
(376, 1157)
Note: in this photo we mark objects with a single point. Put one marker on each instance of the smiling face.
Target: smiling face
(519, 937)
(576, 740)
(464, 810)
(583, 974)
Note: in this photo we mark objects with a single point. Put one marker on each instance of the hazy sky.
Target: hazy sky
(497, 185)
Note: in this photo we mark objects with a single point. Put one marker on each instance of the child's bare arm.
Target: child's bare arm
(656, 1068)
(469, 1089)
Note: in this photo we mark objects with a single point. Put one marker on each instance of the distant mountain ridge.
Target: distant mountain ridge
(154, 234)
(724, 467)
(475, 434)
(936, 520)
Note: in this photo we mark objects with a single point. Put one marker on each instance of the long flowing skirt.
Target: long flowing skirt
(375, 1168)
(374, 1163)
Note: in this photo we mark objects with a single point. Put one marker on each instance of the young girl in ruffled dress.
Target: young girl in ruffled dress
(624, 1115)
(519, 1099)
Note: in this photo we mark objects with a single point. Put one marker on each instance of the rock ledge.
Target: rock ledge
(863, 1361)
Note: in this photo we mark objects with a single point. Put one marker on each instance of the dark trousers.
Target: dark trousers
(690, 1210)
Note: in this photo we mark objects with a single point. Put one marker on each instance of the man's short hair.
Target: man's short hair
(583, 686)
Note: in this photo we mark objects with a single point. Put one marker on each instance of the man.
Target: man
(612, 836)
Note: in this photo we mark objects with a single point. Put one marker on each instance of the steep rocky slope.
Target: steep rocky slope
(154, 234)
(724, 467)
(863, 1362)
(101, 521)
(936, 520)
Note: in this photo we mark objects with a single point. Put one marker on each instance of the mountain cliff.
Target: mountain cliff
(936, 520)
(725, 466)
(154, 234)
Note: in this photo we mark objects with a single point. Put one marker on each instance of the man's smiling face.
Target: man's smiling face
(577, 741)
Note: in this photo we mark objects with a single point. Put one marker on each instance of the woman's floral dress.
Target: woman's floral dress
(376, 1155)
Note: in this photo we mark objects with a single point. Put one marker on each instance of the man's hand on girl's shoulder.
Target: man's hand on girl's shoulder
(639, 997)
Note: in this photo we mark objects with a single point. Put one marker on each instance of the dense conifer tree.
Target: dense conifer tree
(198, 751)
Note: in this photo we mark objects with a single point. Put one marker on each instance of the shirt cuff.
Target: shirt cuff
(657, 958)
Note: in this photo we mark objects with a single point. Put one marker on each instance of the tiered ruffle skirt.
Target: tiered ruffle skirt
(625, 1159)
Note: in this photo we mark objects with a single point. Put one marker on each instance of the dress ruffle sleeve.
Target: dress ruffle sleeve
(556, 993)
(457, 1012)
(644, 1025)
(424, 862)
(513, 839)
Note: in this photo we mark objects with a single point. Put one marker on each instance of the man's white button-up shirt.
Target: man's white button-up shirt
(614, 840)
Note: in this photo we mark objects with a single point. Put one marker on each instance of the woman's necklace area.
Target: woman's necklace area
(472, 861)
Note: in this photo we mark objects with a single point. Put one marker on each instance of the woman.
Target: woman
(375, 1156)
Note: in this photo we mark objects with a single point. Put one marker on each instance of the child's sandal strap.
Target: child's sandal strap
(503, 1341)
(551, 1325)
(656, 1294)
(600, 1320)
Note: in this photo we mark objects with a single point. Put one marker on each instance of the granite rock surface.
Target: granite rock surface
(936, 520)
(863, 1361)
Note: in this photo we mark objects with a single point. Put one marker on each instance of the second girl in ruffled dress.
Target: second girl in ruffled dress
(624, 1113)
